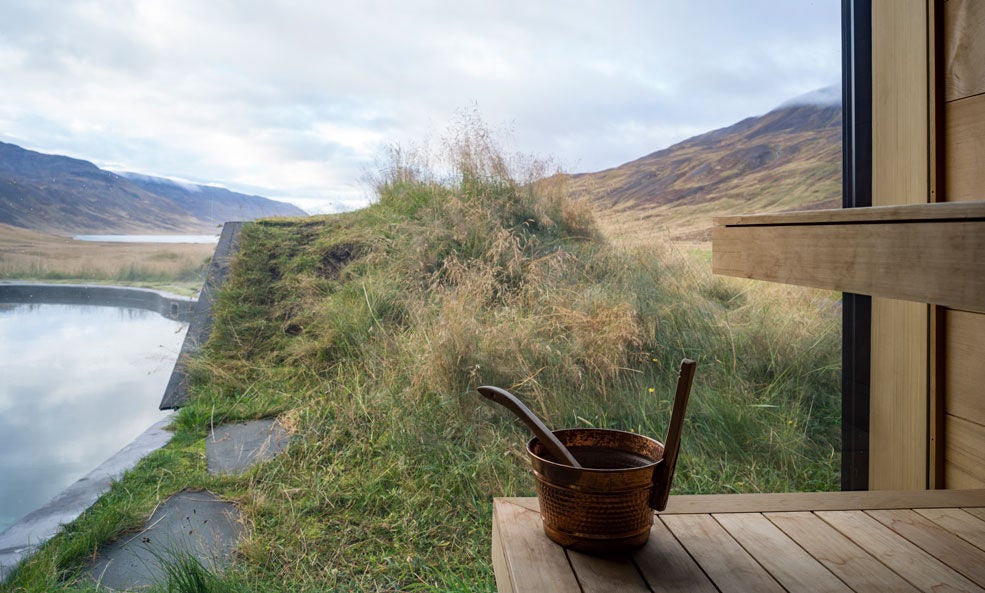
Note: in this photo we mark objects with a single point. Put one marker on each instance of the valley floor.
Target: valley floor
(30, 255)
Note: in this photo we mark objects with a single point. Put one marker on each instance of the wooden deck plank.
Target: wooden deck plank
(821, 501)
(533, 562)
(596, 574)
(501, 569)
(937, 541)
(833, 541)
(730, 567)
(789, 564)
(850, 563)
(904, 558)
(805, 501)
(976, 511)
(874, 214)
(530, 502)
(666, 565)
(965, 525)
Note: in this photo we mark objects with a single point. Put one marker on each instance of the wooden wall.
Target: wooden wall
(901, 174)
(927, 414)
(964, 99)
(962, 367)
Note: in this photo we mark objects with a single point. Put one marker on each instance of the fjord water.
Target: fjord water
(148, 238)
(77, 384)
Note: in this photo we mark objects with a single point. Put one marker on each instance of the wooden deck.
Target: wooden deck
(838, 541)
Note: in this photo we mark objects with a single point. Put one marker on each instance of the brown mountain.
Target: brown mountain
(788, 159)
(62, 195)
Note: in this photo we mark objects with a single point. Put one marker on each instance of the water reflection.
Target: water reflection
(77, 384)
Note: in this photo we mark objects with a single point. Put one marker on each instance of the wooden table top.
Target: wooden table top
(836, 541)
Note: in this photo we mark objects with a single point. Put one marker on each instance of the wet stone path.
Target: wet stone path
(192, 523)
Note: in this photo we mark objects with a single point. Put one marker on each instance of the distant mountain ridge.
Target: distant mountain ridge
(59, 194)
(787, 159)
(211, 203)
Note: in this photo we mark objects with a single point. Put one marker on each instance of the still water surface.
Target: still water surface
(149, 238)
(77, 384)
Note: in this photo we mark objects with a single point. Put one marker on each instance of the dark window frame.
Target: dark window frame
(856, 26)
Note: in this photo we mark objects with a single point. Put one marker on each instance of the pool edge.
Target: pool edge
(24, 537)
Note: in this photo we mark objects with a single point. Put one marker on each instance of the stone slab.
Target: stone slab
(234, 448)
(191, 522)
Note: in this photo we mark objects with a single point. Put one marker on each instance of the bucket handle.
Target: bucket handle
(664, 472)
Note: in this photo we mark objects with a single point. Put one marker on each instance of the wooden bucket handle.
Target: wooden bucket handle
(663, 475)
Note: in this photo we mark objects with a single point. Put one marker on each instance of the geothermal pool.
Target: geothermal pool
(77, 384)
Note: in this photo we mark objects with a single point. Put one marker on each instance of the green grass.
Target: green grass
(367, 332)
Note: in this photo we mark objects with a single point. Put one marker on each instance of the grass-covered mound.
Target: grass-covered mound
(369, 331)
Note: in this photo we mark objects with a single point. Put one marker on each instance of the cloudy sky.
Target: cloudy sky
(296, 99)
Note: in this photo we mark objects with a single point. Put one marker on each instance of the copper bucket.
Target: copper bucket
(606, 505)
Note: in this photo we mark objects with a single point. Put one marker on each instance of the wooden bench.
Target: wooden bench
(834, 541)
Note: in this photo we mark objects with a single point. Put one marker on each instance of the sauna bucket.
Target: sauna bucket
(606, 506)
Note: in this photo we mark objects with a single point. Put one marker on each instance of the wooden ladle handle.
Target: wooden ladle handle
(664, 473)
(543, 434)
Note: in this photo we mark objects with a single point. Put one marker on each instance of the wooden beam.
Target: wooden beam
(802, 501)
(937, 212)
(923, 253)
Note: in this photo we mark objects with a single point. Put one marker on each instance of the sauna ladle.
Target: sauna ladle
(543, 434)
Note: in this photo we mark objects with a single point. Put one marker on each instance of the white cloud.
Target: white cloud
(829, 95)
(293, 99)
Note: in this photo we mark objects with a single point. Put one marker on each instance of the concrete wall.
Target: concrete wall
(176, 393)
(169, 306)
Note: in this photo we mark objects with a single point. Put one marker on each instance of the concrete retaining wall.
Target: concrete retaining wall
(167, 305)
(200, 327)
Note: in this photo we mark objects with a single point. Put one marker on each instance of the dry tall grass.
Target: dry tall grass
(29, 255)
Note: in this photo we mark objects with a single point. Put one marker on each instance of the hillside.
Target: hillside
(58, 194)
(214, 205)
(787, 159)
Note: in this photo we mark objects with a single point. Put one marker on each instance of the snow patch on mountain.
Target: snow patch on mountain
(829, 96)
